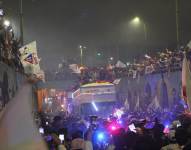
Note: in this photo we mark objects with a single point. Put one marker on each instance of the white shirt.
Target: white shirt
(88, 145)
(171, 147)
(61, 147)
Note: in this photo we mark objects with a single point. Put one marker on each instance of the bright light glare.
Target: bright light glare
(113, 128)
(166, 130)
(95, 107)
(99, 54)
(100, 136)
(7, 23)
(136, 20)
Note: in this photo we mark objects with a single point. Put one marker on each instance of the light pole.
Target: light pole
(177, 24)
(81, 54)
(21, 22)
(137, 21)
(145, 31)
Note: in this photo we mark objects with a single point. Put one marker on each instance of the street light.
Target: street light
(98, 54)
(137, 21)
(81, 54)
(111, 58)
(6, 23)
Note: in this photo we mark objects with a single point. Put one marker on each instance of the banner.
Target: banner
(29, 58)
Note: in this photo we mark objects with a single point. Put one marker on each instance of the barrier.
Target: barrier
(10, 82)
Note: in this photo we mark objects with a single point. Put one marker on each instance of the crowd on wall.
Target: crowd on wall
(9, 45)
(165, 61)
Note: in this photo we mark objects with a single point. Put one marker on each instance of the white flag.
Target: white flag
(120, 64)
(29, 58)
(189, 45)
(116, 81)
(75, 68)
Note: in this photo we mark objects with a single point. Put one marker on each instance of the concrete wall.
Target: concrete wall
(10, 81)
(157, 90)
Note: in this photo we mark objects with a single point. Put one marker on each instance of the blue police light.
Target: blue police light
(167, 124)
(100, 136)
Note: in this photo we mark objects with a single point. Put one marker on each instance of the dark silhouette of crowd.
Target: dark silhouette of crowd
(78, 136)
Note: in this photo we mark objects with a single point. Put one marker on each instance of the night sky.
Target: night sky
(60, 26)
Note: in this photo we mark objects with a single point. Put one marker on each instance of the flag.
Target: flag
(120, 64)
(75, 68)
(116, 81)
(189, 45)
(186, 82)
(29, 58)
(28, 49)
(17, 128)
(60, 66)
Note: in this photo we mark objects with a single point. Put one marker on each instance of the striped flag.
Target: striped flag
(186, 82)
(17, 128)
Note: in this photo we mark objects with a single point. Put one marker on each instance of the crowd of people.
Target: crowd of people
(75, 133)
(139, 130)
(9, 45)
(166, 61)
